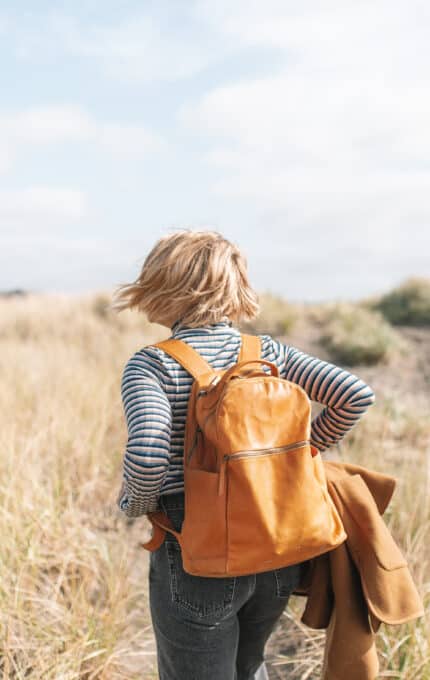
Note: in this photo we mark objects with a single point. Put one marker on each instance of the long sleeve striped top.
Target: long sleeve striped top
(155, 391)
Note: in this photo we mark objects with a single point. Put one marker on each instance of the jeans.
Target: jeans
(211, 628)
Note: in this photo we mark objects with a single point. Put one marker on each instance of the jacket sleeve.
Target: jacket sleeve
(345, 396)
(149, 422)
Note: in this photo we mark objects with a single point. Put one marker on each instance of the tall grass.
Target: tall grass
(73, 579)
(72, 582)
(393, 439)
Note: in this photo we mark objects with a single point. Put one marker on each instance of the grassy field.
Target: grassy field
(73, 579)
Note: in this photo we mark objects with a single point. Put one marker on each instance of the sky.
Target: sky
(300, 131)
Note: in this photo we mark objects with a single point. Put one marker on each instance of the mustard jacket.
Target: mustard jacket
(363, 582)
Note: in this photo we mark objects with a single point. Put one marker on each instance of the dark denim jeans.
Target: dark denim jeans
(211, 628)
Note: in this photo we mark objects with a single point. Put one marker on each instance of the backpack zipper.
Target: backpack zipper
(249, 454)
(266, 452)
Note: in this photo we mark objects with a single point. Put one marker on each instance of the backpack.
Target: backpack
(255, 490)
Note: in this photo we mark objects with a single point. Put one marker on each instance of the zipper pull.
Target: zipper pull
(221, 477)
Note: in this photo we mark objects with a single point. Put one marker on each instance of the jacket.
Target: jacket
(361, 583)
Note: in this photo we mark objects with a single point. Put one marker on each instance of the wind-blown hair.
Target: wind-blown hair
(194, 277)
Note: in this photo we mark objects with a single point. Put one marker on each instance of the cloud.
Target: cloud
(51, 263)
(41, 208)
(325, 159)
(50, 125)
(163, 43)
(335, 145)
(139, 49)
(129, 140)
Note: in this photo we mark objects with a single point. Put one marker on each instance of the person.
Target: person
(196, 284)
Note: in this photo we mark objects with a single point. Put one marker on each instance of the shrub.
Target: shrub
(355, 335)
(276, 317)
(409, 304)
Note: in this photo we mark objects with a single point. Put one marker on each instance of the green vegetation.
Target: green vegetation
(409, 304)
(355, 335)
(276, 317)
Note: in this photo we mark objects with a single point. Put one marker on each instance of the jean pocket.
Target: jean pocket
(287, 579)
(205, 597)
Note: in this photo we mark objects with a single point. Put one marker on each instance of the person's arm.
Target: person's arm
(346, 397)
(149, 422)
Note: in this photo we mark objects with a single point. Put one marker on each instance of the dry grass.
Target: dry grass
(73, 590)
(393, 438)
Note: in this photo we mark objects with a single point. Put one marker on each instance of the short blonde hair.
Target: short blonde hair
(194, 277)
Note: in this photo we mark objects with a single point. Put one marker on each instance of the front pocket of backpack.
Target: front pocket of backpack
(276, 506)
(204, 527)
(202, 597)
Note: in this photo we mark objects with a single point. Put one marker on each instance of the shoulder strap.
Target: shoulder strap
(250, 349)
(188, 357)
(194, 363)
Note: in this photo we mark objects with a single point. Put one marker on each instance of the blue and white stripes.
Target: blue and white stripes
(155, 391)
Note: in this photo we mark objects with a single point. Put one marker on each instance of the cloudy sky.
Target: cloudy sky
(300, 130)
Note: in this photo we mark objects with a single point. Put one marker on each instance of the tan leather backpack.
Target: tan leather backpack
(256, 496)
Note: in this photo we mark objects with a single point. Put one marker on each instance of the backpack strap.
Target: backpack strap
(194, 363)
(188, 357)
(250, 349)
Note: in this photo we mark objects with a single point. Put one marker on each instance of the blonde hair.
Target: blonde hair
(194, 277)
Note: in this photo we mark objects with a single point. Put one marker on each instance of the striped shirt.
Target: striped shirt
(155, 391)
